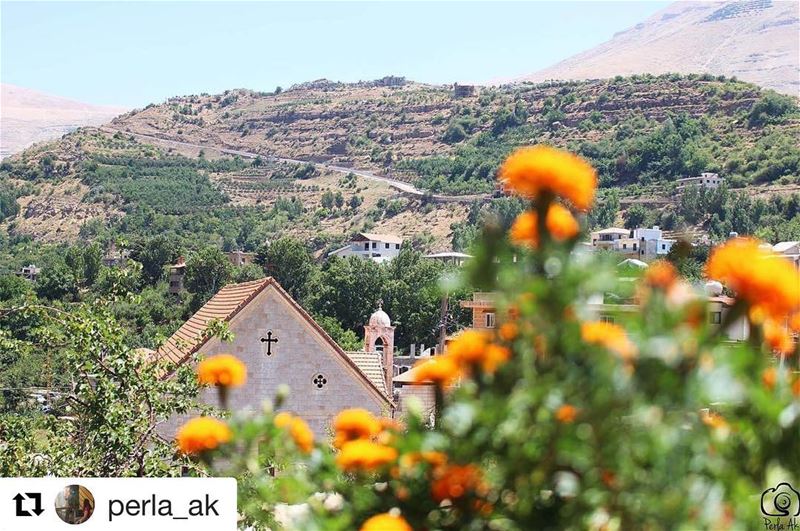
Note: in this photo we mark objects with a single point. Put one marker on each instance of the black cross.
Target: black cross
(269, 340)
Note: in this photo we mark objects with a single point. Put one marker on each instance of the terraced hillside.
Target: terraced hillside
(244, 166)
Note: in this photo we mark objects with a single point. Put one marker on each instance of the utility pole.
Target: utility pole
(443, 322)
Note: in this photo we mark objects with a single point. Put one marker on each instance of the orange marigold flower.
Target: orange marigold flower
(609, 335)
(769, 377)
(713, 420)
(283, 419)
(454, 481)
(440, 370)
(794, 322)
(796, 387)
(494, 356)
(536, 170)
(201, 434)
(777, 338)
(386, 522)
(508, 331)
(433, 458)
(758, 276)
(566, 414)
(225, 370)
(560, 223)
(364, 455)
(661, 275)
(301, 434)
(468, 348)
(353, 424)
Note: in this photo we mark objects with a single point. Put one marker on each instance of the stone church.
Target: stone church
(280, 343)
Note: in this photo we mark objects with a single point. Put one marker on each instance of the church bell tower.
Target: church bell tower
(379, 338)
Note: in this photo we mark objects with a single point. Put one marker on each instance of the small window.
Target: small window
(386, 245)
(607, 319)
(716, 317)
(320, 381)
(489, 320)
(663, 246)
(374, 245)
(624, 245)
(366, 246)
(403, 369)
(397, 246)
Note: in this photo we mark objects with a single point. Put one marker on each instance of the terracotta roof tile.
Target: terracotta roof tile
(371, 364)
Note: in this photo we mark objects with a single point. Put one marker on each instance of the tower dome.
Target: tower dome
(380, 318)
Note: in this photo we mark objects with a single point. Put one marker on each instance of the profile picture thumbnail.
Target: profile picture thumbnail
(74, 504)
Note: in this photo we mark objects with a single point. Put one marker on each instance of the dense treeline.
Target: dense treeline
(341, 293)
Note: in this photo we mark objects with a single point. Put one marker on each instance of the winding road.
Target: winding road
(397, 185)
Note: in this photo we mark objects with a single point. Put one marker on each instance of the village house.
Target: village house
(281, 344)
(177, 272)
(704, 180)
(240, 258)
(450, 257)
(789, 250)
(643, 244)
(29, 272)
(114, 257)
(377, 247)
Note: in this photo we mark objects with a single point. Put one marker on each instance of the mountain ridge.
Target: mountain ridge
(755, 40)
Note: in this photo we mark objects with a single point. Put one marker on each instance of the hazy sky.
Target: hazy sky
(134, 53)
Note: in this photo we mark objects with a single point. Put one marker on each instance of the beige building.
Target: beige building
(484, 311)
(281, 344)
(240, 258)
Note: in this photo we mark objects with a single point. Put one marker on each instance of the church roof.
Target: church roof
(371, 365)
(231, 300)
(223, 306)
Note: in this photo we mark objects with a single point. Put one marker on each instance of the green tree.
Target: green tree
(636, 217)
(56, 281)
(347, 289)
(289, 262)
(154, 253)
(207, 271)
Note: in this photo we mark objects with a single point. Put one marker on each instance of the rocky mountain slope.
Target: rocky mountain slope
(28, 116)
(754, 40)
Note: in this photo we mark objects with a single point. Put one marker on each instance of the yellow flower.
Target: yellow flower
(364, 455)
(441, 370)
(560, 223)
(386, 522)
(224, 370)
(355, 423)
(566, 414)
(301, 434)
(532, 171)
(762, 278)
(610, 336)
(201, 434)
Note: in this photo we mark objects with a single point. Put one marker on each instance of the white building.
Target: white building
(450, 257)
(378, 247)
(642, 244)
(705, 180)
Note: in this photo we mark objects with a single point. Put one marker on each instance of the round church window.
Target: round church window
(320, 381)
